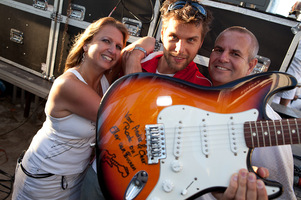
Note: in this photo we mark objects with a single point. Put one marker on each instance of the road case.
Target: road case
(75, 16)
(26, 35)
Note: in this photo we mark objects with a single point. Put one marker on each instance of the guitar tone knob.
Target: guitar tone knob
(176, 166)
(168, 186)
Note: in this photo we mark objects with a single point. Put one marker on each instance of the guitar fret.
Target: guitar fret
(272, 132)
(275, 133)
(289, 130)
(266, 133)
(256, 134)
(295, 132)
(281, 126)
(297, 129)
(262, 134)
(269, 132)
(251, 134)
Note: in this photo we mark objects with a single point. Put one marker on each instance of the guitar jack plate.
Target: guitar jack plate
(136, 185)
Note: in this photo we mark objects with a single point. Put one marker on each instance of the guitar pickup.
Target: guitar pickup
(155, 141)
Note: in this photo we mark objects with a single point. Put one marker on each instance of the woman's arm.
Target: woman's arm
(131, 56)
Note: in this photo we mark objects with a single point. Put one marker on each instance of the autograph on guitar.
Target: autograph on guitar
(163, 138)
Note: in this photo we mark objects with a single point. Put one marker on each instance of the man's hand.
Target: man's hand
(244, 185)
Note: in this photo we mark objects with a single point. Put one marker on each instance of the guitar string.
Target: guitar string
(222, 134)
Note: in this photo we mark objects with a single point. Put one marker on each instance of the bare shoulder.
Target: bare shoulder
(67, 81)
(66, 90)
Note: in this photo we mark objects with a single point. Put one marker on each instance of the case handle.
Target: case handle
(77, 12)
(40, 4)
(16, 36)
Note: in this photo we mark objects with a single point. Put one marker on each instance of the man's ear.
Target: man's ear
(162, 31)
(201, 44)
(252, 65)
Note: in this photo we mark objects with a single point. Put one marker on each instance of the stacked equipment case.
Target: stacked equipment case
(36, 35)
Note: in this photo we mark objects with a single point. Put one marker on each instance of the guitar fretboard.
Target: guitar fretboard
(272, 132)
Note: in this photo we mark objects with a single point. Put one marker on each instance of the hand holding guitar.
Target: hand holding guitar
(244, 184)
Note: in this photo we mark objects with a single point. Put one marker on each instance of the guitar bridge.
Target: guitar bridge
(155, 140)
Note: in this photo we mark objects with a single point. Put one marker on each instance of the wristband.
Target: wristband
(141, 49)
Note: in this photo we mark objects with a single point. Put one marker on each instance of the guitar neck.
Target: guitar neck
(265, 133)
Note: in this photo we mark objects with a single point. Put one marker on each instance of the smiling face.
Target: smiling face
(181, 43)
(105, 47)
(229, 59)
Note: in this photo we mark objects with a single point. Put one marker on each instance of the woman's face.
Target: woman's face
(105, 47)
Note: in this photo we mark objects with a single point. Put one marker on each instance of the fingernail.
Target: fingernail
(235, 177)
(243, 174)
(260, 184)
(251, 177)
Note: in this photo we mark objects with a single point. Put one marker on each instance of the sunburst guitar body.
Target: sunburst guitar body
(162, 138)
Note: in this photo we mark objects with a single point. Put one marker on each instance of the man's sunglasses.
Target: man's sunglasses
(180, 4)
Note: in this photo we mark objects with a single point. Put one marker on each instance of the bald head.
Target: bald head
(254, 45)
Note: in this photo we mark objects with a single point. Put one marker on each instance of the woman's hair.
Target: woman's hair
(75, 55)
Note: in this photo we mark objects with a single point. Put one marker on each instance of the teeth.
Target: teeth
(221, 68)
(107, 58)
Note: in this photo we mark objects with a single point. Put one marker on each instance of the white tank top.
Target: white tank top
(62, 145)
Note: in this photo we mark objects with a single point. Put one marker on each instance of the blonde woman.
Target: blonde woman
(54, 165)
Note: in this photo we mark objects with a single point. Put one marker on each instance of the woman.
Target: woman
(54, 164)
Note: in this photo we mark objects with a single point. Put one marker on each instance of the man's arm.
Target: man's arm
(284, 101)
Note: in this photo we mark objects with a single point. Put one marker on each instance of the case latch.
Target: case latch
(77, 12)
(133, 26)
(16, 36)
(40, 4)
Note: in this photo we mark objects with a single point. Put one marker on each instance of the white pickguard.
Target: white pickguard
(203, 150)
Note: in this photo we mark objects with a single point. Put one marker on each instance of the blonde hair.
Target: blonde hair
(75, 55)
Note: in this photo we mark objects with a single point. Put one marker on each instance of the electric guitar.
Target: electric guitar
(163, 138)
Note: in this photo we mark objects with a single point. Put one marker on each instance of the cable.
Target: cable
(6, 183)
(27, 119)
(136, 16)
(4, 188)
(296, 156)
(114, 8)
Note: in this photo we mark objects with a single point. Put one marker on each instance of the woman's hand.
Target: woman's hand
(131, 58)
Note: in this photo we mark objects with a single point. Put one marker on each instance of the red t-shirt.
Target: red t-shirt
(191, 73)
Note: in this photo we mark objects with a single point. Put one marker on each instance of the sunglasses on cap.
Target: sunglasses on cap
(180, 4)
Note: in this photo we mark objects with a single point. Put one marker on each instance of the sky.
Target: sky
(282, 7)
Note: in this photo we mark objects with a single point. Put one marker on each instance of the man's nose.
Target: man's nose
(180, 46)
(224, 56)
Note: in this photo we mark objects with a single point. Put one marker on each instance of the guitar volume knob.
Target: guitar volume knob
(176, 166)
